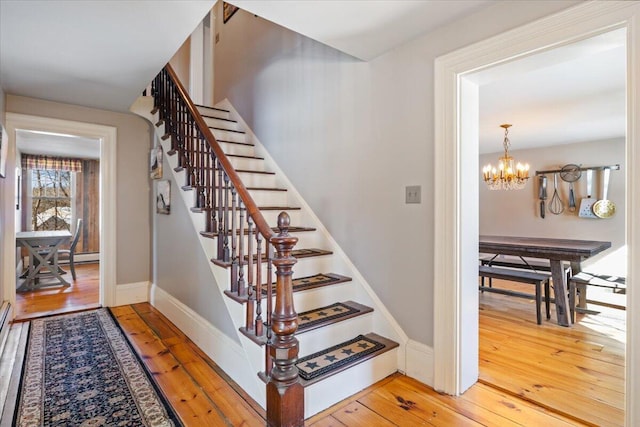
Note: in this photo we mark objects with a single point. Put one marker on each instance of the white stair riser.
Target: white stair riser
(303, 236)
(239, 149)
(228, 136)
(214, 112)
(269, 198)
(259, 180)
(221, 123)
(271, 216)
(332, 390)
(328, 336)
(247, 164)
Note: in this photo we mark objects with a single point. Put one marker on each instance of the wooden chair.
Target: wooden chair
(68, 254)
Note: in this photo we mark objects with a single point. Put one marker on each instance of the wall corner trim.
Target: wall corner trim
(224, 351)
(132, 293)
(420, 362)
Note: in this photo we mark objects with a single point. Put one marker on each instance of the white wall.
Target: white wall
(511, 212)
(351, 135)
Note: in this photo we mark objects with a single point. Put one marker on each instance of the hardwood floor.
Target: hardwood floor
(83, 294)
(530, 374)
(203, 395)
(577, 371)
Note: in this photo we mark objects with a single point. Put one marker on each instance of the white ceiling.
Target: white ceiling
(94, 53)
(103, 53)
(575, 93)
(362, 28)
(53, 144)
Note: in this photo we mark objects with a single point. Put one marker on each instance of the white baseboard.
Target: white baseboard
(420, 362)
(132, 293)
(224, 351)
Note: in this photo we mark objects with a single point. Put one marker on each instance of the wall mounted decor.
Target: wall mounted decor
(227, 11)
(163, 197)
(155, 162)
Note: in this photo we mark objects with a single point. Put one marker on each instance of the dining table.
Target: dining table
(557, 251)
(42, 247)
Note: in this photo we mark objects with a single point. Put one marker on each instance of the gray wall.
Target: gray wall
(510, 212)
(133, 234)
(351, 135)
(180, 265)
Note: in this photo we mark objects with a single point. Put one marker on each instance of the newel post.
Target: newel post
(285, 394)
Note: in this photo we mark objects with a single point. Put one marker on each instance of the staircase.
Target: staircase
(346, 338)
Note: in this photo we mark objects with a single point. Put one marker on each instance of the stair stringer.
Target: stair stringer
(384, 323)
(234, 359)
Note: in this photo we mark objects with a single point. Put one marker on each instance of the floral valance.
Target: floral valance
(31, 161)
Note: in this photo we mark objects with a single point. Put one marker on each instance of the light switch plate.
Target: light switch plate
(413, 194)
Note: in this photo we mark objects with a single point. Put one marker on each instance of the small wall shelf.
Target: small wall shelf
(594, 168)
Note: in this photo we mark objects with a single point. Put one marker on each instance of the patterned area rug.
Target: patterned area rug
(80, 370)
(337, 356)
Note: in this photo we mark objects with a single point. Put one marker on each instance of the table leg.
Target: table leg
(50, 262)
(560, 292)
(582, 289)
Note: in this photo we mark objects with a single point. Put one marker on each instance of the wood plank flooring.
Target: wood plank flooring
(577, 371)
(530, 374)
(202, 394)
(83, 294)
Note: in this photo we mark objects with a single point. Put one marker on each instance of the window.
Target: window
(51, 199)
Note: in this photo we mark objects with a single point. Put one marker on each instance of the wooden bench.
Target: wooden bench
(520, 276)
(520, 263)
(578, 289)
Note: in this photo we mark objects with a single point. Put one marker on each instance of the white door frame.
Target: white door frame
(455, 357)
(107, 136)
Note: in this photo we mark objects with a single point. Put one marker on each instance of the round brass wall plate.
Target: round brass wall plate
(604, 209)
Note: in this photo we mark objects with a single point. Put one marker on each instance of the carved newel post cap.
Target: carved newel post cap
(283, 222)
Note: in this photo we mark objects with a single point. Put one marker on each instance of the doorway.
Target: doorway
(59, 190)
(106, 136)
(455, 277)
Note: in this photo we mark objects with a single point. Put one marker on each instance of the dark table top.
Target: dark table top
(542, 247)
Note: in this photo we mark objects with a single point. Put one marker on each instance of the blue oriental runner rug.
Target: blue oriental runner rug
(80, 370)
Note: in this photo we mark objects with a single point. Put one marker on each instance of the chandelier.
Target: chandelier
(506, 176)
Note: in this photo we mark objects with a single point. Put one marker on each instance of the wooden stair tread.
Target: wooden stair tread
(228, 130)
(296, 253)
(218, 118)
(294, 229)
(180, 168)
(192, 186)
(245, 157)
(212, 108)
(334, 313)
(300, 284)
(248, 144)
(262, 208)
(325, 363)
(252, 171)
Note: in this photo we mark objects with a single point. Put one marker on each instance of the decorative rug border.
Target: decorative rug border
(117, 340)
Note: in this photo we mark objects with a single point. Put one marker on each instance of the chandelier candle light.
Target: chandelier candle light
(506, 176)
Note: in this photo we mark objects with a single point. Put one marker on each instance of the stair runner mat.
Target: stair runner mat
(334, 311)
(297, 253)
(315, 281)
(336, 357)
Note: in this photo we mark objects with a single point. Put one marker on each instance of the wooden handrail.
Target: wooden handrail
(220, 193)
(243, 193)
